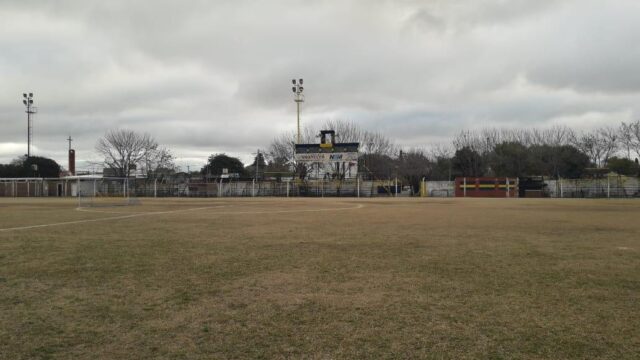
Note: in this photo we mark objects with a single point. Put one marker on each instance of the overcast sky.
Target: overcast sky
(214, 76)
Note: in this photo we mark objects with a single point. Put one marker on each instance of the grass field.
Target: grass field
(320, 278)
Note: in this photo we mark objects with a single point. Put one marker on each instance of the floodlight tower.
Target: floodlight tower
(297, 90)
(28, 103)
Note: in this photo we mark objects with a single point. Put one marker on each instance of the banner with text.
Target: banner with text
(327, 157)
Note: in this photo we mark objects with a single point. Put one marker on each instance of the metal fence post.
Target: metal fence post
(464, 187)
(396, 194)
(507, 187)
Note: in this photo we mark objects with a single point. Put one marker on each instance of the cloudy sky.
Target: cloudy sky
(214, 76)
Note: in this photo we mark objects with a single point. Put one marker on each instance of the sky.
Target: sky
(205, 77)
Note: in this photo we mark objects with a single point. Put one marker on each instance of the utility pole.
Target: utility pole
(28, 102)
(297, 90)
(257, 159)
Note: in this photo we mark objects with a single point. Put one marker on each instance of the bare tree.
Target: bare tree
(282, 147)
(467, 139)
(609, 141)
(125, 150)
(558, 135)
(370, 142)
(630, 137)
(440, 151)
(377, 143)
(599, 145)
(635, 131)
(159, 160)
(625, 131)
(522, 136)
(413, 165)
(346, 131)
(489, 138)
(587, 143)
(375, 147)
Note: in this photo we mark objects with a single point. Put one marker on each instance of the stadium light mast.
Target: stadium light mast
(28, 103)
(297, 90)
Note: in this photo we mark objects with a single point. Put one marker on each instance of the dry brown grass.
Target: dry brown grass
(266, 278)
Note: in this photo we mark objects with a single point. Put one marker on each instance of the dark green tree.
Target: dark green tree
(543, 160)
(218, 162)
(45, 167)
(413, 166)
(35, 166)
(442, 169)
(557, 161)
(376, 166)
(571, 162)
(510, 159)
(262, 166)
(259, 159)
(467, 162)
(10, 171)
(623, 166)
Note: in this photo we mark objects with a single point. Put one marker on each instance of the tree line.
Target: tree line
(555, 152)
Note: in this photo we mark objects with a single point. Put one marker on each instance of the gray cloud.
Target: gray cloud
(205, 77)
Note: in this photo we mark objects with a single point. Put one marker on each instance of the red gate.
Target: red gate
(486, 187)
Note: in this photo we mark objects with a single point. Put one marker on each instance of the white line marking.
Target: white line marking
(109, 212)
(359, 206)
(104, 219)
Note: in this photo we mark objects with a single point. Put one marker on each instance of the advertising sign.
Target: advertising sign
(327, 157)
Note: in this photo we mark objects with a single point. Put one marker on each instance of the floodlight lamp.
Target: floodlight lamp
(24, 94)
(300, 81)
(30, 101)
(294, 89)
(293, 81)
(24, 102)
(301, 88)
(30, 94)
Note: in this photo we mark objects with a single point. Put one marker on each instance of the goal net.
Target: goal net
(105, 192)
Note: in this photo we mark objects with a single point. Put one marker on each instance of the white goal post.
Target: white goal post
(93, 191)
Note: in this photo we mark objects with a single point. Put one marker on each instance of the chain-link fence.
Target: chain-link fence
(314, 188)
(29, 187)
(606, 187)
(123, 187)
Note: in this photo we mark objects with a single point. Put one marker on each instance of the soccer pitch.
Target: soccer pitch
(320, 278)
